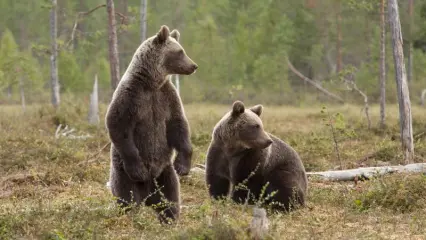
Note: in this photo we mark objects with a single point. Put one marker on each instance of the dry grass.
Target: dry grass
(46, 194)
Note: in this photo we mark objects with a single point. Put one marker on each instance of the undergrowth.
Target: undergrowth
(55, 188)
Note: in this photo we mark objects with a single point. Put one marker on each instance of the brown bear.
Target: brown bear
(146, 122)
(261, 168)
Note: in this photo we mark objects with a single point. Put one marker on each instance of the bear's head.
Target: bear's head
(242, 128)
(162, 55)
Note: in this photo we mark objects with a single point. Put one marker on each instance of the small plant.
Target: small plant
(338, 128)
(330, 121)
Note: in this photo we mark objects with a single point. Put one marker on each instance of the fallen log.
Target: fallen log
(344, 175)
(367, 172)
(352, 174)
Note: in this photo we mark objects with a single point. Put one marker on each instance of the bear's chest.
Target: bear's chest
(150, 132)
(153, 108)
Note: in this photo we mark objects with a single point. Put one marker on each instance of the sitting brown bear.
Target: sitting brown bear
(239, 148)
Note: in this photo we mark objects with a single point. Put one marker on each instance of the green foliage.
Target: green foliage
(221, 230)
(70, 75)
(55, 188)
(400, 193)
(16, 65)
(9, 55)
(101, 68)
(240, 46)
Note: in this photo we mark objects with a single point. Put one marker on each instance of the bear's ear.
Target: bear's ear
(163, 34)
(258, 109)
(237, 108)
(175, 34)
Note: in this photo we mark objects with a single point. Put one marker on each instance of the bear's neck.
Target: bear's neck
(147, 76)
(236, 152)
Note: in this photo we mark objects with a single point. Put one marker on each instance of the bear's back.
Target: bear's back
(284, 157)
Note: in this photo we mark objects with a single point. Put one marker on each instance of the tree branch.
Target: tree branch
(313, 83)
(350, 81)
(77, 18)
(81, 15)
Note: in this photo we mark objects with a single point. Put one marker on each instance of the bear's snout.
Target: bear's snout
(193, 68)
(268, 143)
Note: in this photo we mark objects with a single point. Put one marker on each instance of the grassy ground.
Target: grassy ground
(55, 188)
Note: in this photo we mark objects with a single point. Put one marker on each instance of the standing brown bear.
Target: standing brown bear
(145, 122)
(241, 153)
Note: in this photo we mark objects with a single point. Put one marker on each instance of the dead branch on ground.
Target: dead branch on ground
(358, 173)
(93, 157)
(66, 133)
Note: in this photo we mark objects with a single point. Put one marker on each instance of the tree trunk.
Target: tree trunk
(401, 83)
(410, 42)
(113, 45)
(80, 27)
(24, 35)
(410, 62)
(94, 107)
(9, 92)
(21, 89)
(124, 6)
(368, 42)
(339, 39)
(143, 13)
(311, 3)
(382, 78)
(54, 55)
(422, 97)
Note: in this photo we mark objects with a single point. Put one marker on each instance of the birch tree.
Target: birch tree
(143, 12)
(22, 93)
(54, 56)
(113, 45)
(382, 76)
(339, 38)
(401, 83)
(410, 42)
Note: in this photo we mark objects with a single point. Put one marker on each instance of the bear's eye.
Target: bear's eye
(180, 52)
(257, 126)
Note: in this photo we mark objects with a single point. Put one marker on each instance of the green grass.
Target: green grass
(55, 188)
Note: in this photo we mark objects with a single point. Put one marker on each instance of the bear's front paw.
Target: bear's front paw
(137, 172)
(182, 165)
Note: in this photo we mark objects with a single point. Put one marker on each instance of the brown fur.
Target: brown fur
(240, 145)
(146, 121)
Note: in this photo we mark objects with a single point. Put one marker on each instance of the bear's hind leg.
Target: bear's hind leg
(288, 195)
(123, 188)
(164, 195)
